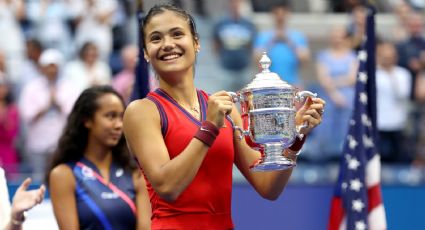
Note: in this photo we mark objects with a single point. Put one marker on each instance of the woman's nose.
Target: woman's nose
(168, 44)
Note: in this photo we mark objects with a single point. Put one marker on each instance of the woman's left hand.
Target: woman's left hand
(311, 113)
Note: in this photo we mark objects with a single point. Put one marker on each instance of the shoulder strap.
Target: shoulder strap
(162, 114)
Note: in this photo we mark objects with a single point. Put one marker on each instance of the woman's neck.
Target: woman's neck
(99, 155)
(180, 88)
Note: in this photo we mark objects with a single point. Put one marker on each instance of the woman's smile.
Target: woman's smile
(170, 56)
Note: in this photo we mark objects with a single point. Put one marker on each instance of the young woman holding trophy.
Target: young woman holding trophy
(184, 139)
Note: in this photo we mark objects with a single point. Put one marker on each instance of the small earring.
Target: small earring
(198, 50)
(147, 60)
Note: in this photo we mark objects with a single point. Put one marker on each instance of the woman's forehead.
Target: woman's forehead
(165, 20)
(108, 101)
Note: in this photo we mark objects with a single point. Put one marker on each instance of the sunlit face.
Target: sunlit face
(106, 125)
(170, 45)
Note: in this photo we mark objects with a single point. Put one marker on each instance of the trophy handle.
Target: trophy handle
(301, 96)
(236, 97)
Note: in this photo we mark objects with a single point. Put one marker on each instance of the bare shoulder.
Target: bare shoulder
(62, 174)
(141, 108)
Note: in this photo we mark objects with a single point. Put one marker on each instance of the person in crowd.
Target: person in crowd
(233, 42)
(88, 70)
(92, 179)
(336, 73)
(94, 23)
(184, 139)
(44, 105)
(393, 90)
(287, 48)
(411, 51)
(402, 11)
(9, 126)
(49, 23)
(12, 41)
(357, 26)
(123, 82)
(31, 66)
(13, 216)
(419, 158)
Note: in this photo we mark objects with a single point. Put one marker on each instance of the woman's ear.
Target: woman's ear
(145, 55)
(88, 124)
(197, 46)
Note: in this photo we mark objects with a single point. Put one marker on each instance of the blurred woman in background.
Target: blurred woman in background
(92, 180)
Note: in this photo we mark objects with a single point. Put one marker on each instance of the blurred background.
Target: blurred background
(96, 42)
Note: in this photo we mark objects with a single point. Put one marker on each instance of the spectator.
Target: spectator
(124, 80)
(286, 48)
(336, 72)
(420, 141)
(12, 39)
(411, 51)
(393, 89)
(30, 67)
(44, 104)
(357, 26)
(49, 21)
(9, 125)
(11, 218)
(402, 11)
(233, 42)
(88, 70)
(95, 24)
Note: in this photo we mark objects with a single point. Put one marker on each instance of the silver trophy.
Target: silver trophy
(268, 115)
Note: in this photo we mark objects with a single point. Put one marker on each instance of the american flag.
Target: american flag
(141, 85)
(357, 202)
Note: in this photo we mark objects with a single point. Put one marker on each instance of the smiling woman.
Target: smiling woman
(170, 48)
(92, 180)
(188, 156)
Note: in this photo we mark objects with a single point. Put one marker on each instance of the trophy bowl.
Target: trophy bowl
(268, 115)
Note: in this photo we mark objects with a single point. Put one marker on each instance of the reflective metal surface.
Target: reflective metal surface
(268, 115)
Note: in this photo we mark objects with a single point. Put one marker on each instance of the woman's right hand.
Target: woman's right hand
(220, 104)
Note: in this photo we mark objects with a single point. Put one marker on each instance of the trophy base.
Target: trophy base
(281, 164)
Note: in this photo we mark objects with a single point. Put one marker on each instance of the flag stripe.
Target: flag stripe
(375, 198)
(336, 219)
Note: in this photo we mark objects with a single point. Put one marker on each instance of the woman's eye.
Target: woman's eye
(178, 34)
(155, 38)
(111, 115)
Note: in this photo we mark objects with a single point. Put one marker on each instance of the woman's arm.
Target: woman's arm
(143, 205)
(271, 184)
(142, 130)
(62, 193)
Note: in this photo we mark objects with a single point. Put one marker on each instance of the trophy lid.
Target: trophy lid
(266, 78)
